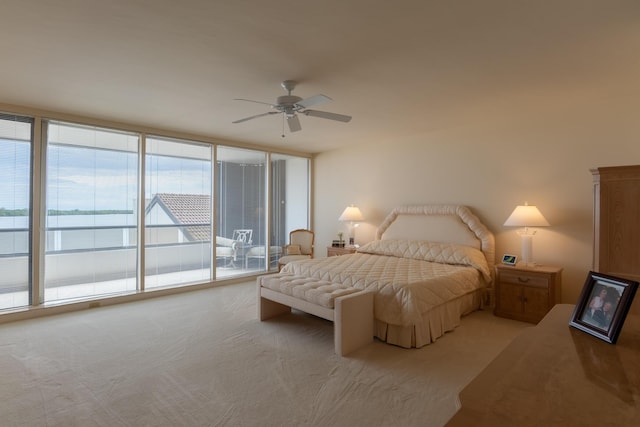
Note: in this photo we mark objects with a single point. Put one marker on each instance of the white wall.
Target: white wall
(541, 154)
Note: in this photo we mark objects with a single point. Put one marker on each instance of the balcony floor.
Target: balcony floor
(66, 293)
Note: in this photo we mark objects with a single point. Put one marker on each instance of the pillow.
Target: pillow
(445, 253)
(293, 250)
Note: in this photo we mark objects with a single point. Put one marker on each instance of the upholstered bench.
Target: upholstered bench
(350, 309)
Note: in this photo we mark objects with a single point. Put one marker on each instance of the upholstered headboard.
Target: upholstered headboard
(439, 223)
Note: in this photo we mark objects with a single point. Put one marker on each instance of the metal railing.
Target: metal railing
(89, 254)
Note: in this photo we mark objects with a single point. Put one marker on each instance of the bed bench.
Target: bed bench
(350, 309)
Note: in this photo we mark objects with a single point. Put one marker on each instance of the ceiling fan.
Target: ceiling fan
(290, 105)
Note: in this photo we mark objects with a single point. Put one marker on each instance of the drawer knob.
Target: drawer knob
(523, 279)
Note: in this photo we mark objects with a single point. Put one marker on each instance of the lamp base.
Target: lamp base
(526, 250)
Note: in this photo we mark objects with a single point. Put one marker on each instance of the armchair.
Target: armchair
(227, 249)
(300, 247)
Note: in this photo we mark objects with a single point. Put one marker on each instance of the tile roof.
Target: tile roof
(187, 209)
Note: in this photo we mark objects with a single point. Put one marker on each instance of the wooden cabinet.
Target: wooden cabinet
(526, 293)
(334, 251)
(616, 223)
(616, 214)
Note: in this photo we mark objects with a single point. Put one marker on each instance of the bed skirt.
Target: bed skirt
(435, 323)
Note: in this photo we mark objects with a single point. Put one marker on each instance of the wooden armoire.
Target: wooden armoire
(616, 229)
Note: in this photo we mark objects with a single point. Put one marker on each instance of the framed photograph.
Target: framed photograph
(603, 305)
(509, 259)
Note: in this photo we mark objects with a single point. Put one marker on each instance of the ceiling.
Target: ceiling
(401, 69)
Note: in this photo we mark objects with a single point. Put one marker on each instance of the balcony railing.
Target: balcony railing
(91, 254)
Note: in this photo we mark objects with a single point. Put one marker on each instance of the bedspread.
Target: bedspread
(405, 288)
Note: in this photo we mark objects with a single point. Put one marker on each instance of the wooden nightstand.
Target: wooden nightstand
(526, 293)
(333, 251)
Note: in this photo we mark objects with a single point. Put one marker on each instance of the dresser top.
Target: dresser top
(555, 375)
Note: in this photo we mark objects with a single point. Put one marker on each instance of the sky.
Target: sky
(14, 174)
(95, 179)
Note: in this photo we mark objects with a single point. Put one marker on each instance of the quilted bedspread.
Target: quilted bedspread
(408, 278)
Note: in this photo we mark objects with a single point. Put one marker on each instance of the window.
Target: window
(91, 225)
(178, 212)
(200, 221)
(240, 211)
(15, 172)
(290, 196)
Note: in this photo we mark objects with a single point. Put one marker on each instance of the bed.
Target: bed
(428, 266)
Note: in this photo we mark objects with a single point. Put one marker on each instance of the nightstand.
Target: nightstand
(334, 251)
(526, 293)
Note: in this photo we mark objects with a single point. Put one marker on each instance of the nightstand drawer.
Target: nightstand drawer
(335, 251)
(524, 279)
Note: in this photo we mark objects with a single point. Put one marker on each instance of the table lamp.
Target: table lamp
(526, 216)
(352, 215)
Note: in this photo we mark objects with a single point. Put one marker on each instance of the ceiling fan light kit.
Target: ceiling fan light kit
(290, 105)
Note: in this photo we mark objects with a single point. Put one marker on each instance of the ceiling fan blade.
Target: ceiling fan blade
(256, 116)
(313, 100)
(294, 123)
(251, 100)
(326, 115)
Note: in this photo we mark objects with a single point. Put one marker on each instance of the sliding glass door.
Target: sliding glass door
(177, 213)
(290, 199)
(15, 213)
(91, 200)
(240, 213)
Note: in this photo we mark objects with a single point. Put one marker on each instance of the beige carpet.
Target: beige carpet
(202, 359)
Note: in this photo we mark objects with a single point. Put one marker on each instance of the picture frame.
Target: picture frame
(509, 259)
(603, 305)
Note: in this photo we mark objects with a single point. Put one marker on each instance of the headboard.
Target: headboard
(439, 223)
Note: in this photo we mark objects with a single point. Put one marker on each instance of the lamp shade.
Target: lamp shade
(351, 213)
(526, 216)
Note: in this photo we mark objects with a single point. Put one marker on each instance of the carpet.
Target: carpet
(202, 358)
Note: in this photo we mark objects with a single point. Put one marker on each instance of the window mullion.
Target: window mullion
(140, 269)
(38, 216)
